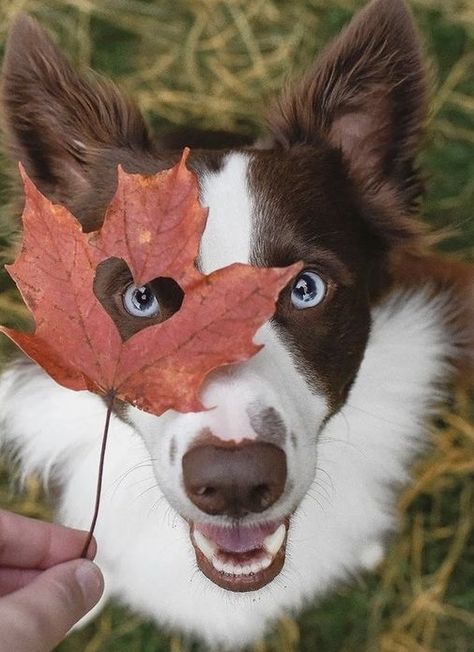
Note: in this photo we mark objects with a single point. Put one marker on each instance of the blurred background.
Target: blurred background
(215, 64)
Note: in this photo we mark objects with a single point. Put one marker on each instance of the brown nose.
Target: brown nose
(234, 481)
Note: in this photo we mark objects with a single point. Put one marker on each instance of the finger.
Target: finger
(37, 617)
(12, 579)
(30, 543)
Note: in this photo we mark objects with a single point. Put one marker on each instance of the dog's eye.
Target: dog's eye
(308, 290)
(140, 301)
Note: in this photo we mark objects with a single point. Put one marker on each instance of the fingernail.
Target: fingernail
(91, 582)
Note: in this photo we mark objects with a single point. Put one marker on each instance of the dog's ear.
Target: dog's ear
(367, 97)
(59, 123)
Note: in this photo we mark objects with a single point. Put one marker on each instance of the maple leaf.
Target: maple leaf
(154, 224)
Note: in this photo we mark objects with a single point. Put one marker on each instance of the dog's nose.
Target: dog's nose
(234, 481)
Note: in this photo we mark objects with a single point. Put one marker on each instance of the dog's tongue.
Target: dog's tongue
(238, 538)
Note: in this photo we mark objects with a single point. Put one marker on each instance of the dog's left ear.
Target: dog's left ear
(367, 97)
(64, 127)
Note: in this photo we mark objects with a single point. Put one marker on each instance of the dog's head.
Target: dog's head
(335, 186)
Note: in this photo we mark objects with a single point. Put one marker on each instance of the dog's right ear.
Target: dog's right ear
(366, 97)
(58, 123)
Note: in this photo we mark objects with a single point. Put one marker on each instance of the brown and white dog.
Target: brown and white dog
(217, 523)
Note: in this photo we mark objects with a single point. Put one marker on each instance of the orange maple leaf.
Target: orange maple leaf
(154, 223)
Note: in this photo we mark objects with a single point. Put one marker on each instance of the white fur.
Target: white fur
(226, 238)
(342, 481)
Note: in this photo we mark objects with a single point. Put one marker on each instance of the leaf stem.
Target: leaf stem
(110, 398)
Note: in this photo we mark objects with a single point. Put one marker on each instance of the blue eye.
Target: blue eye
(140, 301)
(308, 290)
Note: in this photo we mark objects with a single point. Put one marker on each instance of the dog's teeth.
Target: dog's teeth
(207, 548)
(274, 542)
(236, 569)
(218, 564)
(255, 567)
(265, 563)
(260, 565)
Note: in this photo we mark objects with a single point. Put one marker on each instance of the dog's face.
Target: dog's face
(239, 470)
(334, 188)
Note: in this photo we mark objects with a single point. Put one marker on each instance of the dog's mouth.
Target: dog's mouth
(242, 557)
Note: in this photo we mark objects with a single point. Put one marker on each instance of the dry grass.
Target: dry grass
(421, 590)
(216, 63)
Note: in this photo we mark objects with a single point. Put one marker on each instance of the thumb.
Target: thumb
(38, 616)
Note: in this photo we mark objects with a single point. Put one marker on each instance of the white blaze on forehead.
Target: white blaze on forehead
(226, 238)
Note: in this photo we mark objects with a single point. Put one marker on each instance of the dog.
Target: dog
(217, 523)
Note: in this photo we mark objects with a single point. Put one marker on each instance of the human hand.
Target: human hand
(44, 588)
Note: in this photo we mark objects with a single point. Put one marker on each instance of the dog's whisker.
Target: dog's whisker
(379, 417)
(326, 493)
(311, 493)
(152, 487)
(148, 463)
(327, 477)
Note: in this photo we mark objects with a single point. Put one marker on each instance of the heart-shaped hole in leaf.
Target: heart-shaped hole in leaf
(132, 308)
